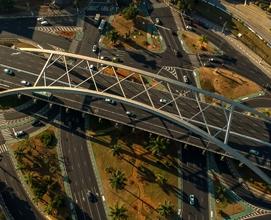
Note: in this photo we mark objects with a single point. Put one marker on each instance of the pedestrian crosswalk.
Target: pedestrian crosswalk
(3, 148)
(56, 29)
(171, 70)
(2, 119)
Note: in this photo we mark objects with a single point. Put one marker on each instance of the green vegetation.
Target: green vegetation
(38, 162)
(130, 12)
(118, 212)
(184, 5)
(166, 209)
(131, 174)
(264, 4)
(157, 145)
(113, 36)
(12, 101)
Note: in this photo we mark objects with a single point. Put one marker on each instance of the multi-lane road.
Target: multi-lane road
(79, 168)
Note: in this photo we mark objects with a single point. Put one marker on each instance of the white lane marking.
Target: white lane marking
(83, 195)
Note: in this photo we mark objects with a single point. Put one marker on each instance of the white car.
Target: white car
(25, 83)
(157, 21)
(40, 19)
(188, 27)
(130, 114)
(94, 48)
(44, 23)
(185, 79)
(163, 101)
(110, 101)
(19, 134)
(92, 67)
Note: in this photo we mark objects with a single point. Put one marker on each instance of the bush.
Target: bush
(130, 12)
(47, 138)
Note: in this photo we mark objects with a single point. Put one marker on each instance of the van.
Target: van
(102, 25)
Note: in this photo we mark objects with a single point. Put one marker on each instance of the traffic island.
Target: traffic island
(38, 167)
(133, 173)
(226, 83)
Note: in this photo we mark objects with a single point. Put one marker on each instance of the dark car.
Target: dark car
(208, 64)
(37, 123)
(92, 197)
(177, 53)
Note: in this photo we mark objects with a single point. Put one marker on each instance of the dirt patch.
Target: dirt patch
(226, 83)
(142, 195)
(133, 34)
(197, 44)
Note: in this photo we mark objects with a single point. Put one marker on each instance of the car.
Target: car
(40, 19)
(37, 123)
(177, 53)
(92, 197)
(157, 21)
(208, 64)
(19, 134)
(185, 79)
(25, 83)
(130, 114)
(110, 101)
(92, 67)
(163, 101)
(191, 199)
(94, 48)
(44, 23)
(188, 27)
(8, 72)
(116, 60)
(214, 60)
(254, 152)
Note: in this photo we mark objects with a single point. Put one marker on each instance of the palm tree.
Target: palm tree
(157, 145)
(166, 209)
(160, 179)
(21, 166)
(116, 150)
(118, 212)
(29, 178)
(19, 153)
(203, 39)
(117, 180)
(113, 35)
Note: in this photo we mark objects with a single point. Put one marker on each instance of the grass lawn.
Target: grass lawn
(37, 160)
(225, 205)
(133, 34)
(142, 194)
(226, 83)
(192, 41)
(12, 101)
(267, 111)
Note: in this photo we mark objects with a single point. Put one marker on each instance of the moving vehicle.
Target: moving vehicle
(191, 199)
(177, 53)
(130, 114)
(157, 21)
(40, 19)
(254, 152)
(44, 22)
(37, 123)
(110, 101)
(92, 198)
(185, 79)
(163, 101)
(19, 134)
(25, 83)
(43, 94)
(94, 48)
(188, 27)
(102, 25)
(8, 72)
(97, 19)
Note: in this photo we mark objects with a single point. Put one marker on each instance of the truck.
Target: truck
(97, 19)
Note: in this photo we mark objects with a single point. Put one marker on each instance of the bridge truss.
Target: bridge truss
(208, 115)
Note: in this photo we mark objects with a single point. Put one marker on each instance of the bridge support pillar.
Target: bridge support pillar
(35, 100)
(66, 110)
(116, 125)
(185, 146)
(150, 134)
(50, 105)
(19, 95)
(133, 129)
(203, 152)
(83, 114)
(240, 164)
(222, 157)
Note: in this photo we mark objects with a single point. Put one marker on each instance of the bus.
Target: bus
(43, 94)
(102, 25)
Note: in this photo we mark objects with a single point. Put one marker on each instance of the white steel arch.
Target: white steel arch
(150, 109)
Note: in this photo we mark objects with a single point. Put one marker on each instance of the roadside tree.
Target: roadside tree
(118, 212)
(117, 180)
(166, 209)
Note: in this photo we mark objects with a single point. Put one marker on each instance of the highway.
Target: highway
(187, 106)
(79, 168)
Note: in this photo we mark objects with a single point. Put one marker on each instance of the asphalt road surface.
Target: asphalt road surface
(195, 183)
(79, 168)
(187, 106)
